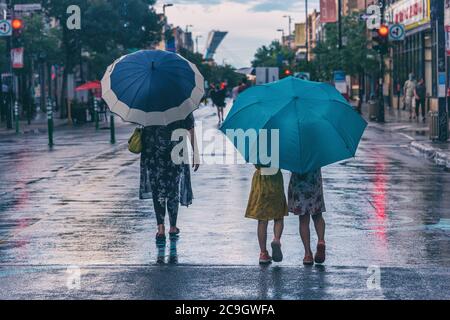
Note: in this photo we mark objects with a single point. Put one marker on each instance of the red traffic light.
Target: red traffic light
(383, 31)
(287, 72)
(17, 24)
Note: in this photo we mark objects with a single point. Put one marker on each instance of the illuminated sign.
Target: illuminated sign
(410, 13)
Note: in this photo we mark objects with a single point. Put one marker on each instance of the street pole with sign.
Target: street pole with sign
(440, 72)
(380, 117)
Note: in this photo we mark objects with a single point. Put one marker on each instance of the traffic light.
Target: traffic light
(17, 26)
(380, 39)
(287, 72)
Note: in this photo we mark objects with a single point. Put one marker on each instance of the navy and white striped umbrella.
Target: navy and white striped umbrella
(152, 87)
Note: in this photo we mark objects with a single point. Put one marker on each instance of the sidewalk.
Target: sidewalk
(417, 131)
(37, 125)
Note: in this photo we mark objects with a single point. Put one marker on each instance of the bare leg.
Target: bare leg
(218, 113)
(319, 224)
(278, 230)
(305, 234)
(262, 235)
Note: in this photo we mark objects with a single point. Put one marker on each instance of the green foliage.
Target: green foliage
(274, 55)
(212, 72)
(354, 57)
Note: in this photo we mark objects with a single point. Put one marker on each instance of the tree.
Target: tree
(274, 55)
(354, 57)
(212, 72)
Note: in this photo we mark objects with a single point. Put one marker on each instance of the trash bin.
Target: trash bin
(434, 125)
(373, 109)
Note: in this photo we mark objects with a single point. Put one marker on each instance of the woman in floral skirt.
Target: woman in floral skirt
(305, 199)
(163, 180)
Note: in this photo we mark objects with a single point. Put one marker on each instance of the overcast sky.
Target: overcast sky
(250, 23)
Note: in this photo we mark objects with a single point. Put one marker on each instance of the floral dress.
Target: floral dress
(160, 176)
(305, 194)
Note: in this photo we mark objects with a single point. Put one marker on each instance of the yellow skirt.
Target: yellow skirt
(267, 200)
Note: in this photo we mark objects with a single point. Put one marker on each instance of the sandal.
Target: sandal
(277, 254)
(174, 234)
(308, 260)
(160, 237)
(320, 254)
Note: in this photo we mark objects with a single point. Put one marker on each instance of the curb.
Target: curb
(440, 158)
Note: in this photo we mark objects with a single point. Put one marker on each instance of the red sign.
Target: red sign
(447, 39)
(328, 12)
(17, 58)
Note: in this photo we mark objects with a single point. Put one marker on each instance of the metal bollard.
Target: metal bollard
(97, 126)
(16, 115)
(113, 130)
(50, 122)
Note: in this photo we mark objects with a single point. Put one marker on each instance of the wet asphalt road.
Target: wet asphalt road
(74, 210)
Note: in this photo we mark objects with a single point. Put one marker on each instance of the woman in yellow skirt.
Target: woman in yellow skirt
(268, 202)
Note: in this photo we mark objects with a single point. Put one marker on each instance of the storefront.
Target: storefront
(414, 54)
(447, 40)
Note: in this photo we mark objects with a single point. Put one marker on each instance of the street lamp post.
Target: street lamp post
(306, 29)
(166, 5)
(290, 30)
(380, 117)
(282, 35)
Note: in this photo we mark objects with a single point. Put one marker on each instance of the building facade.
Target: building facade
(418, 52)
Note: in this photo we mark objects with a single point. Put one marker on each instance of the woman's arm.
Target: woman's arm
(195, 153)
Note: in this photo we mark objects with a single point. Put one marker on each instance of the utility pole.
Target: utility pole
(290, 29)
(307, 30)
(340, 24)
(380, 117)
(438, 26)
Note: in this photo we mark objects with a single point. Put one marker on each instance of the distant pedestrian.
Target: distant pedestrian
(267, 202)
(218, 96)
(244, 85)
(408, 91)
(305, 199)
(235, 91)
(420, 94)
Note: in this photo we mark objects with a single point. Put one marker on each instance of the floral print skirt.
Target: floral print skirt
(305, 195)
(160, 176)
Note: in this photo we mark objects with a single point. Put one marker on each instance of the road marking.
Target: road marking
(407, 136)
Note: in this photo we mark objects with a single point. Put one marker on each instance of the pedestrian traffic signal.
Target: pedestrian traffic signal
(380, 39)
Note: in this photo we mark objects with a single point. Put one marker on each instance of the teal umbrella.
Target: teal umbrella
(317, 126)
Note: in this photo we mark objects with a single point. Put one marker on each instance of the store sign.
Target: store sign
(447, 13)
(328, 11)
(17, 58)
(300, 34)
(447, 25)
(410, 13)
(447, 39)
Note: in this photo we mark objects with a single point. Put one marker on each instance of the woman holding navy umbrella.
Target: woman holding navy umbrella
(158, 90)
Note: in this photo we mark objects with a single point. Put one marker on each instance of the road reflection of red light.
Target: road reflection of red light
(379, 198)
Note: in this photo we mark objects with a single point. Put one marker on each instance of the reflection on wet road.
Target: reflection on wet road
(77, 205)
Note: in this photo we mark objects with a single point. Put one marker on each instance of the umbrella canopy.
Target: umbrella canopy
(152, 87)
(92, 85)
(316, 125)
